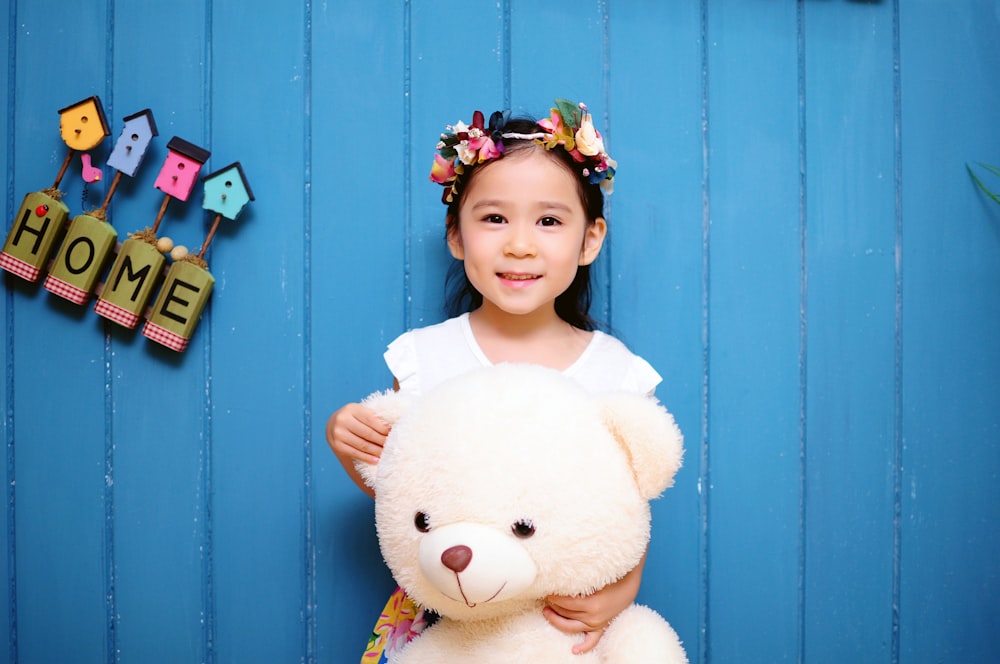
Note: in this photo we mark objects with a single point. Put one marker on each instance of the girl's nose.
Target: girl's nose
(520, 240)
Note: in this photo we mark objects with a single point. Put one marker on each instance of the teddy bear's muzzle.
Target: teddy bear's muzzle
(474, 564)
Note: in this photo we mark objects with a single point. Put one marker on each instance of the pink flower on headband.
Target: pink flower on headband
(488, 149)
(475, 145)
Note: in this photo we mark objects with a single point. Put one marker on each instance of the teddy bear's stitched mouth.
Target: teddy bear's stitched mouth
(472, 605)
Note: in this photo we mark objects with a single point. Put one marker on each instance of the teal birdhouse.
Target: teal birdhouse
(227, 191)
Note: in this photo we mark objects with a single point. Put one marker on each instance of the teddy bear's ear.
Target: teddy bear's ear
(650, 437)
(389, 407)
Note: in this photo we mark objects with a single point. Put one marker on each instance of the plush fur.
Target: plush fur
(511, 483)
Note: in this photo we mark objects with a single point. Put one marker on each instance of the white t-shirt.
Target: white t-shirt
(422, 358)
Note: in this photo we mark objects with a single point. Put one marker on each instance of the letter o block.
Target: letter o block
(81, 258)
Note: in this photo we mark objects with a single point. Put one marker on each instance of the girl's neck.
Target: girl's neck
(537, 338)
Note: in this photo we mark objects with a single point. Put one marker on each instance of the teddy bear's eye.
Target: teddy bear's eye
(422, 522)
(523, 528)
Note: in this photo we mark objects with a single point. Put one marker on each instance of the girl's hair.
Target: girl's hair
(573, 305)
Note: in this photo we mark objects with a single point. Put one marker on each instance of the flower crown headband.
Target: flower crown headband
(569, 126)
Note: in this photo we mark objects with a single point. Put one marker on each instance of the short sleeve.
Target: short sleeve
(643, 378)
(607, 365)
(401, 358)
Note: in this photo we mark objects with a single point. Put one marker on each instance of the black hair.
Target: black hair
(573, 305)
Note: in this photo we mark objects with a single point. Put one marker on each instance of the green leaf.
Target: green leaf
(981, 184)
(570, 112)
(992, 169)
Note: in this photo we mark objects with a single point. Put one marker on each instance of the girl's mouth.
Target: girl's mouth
(509, 276)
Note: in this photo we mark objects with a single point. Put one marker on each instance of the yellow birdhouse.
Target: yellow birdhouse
(83, 125)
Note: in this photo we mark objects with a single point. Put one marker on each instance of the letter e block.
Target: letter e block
(179, 305)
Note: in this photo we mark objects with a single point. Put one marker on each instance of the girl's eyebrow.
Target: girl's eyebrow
(545, 205)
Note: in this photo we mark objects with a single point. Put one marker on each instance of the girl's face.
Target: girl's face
(522, 232)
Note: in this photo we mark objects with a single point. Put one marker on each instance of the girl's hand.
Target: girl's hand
(355, 433)
(592, 613)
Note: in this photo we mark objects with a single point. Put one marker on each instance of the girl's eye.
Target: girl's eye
(548, 221)
(494, 219)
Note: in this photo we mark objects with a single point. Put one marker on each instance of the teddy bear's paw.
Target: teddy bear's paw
(640, 635)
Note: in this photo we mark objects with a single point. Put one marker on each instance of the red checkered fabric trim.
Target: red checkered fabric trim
(166, 337)
(117, 314)
(18, 267)
(66, 291)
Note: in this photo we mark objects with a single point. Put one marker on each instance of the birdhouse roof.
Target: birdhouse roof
(189, 150)
(149, 118)
(96, 101)
(239, 168)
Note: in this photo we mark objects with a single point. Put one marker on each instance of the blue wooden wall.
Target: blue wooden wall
(796, 246)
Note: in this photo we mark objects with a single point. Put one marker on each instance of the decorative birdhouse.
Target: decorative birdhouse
(181, 168)
(139, 265)
(42, 216)
(132, 142)
(227, 191)
(83, 125)
(188, 284)
(91, 240)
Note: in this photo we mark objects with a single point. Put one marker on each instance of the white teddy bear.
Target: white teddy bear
(509, 484)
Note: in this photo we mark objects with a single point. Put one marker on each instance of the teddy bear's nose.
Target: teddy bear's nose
(457, 558)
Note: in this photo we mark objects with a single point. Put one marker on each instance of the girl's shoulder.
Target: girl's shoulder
(607, 365)
(422, 357)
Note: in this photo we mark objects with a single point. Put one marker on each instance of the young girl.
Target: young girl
(525, 222)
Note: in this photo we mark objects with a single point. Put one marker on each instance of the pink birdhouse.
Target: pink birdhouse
(181, 168)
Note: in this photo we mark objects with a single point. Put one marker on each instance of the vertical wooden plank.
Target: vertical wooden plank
(258, 432)
(851, 332)
(58, 366)
(8, 645)
(158, 395)
(358, 190)
(656, 266)
(439, 33)
(951, 311)
(753, 337)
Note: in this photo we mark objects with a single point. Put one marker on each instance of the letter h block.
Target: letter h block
(33, 235)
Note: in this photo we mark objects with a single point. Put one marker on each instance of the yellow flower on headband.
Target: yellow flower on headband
(588, 139)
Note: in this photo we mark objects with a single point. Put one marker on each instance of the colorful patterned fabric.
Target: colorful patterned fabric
(401, 621)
